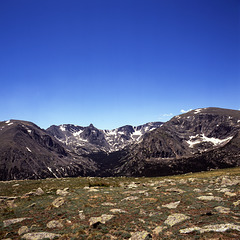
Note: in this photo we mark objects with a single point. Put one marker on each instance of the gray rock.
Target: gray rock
(12, 221)
(158, 230)
(212, 228)
(62, 192)
(39, 192)
(175, 219)
(81, 215)
(54, 224)
(210, 198)
(22, 230)
(40, 235)
(175, 190)
(221, 209)
(140, 235)
(171, 205)
(58, 202)
(102, 219)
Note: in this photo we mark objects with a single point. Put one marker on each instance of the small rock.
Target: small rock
(62, 192)
(131, 198)
(40, 235)
(22, 230)
(197, 190)
(210, 198)
(11, 204)
(236, 203)
(103, 219)
(175, 218)
(171, 205)
(58, 202)
(93, 190)
(81, 215)
(175, 190)
(39, 191)
(16, 185)
(54, 224)
(115, 210)
(230, 194)
(158, 230)
(108, 204)
(12, 221)
(140, 235)
(31, 205)
(221, 209)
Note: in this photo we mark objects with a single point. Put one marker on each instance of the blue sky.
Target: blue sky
(117, 62)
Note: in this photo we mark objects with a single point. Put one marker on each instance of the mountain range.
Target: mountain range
(202, 139)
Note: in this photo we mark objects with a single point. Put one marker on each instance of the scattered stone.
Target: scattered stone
(58, 202)
(210, 198)
(103, 219)
(221, 209)
(223, 190)
(140, 235)
(230, 194)
(175, 190)
(175, 219)
(197, 190)
(86, 188)
(212, 228)
(63, 193)
(31, 205)
(131, 198)
(54, 224)
(171, 205)
(40, 235)
(108, 204)
(115, 210)
(22, 230)
(158, 230)
(15, 185)
(11, 204)
(12, 221)
(93, 190)
(81, 215)
(39, 192)
(236, 203)
(132, 185)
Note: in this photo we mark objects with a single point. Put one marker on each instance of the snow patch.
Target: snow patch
(77, 133)
(62, 128)
(197, 111)
(50, 170)
(203, 138)
(8, 121)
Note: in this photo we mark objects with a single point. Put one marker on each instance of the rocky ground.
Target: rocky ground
(192, 206)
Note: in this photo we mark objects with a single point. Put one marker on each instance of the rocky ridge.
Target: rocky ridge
(199, 140)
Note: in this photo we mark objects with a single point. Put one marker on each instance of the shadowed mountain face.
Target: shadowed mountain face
(198, 140)
(26, 151)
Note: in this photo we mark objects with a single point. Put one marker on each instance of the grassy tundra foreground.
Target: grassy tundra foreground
(192, 206)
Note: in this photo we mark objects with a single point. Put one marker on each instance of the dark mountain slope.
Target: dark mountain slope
(195, 141)
(26, 151)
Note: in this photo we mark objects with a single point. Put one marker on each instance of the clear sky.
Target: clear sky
(117, 62)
